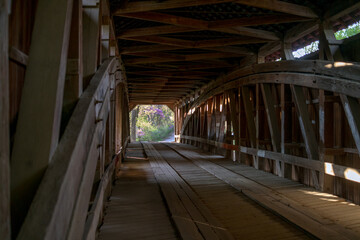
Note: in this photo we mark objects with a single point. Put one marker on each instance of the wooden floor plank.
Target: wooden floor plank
(327, 209)
(197, 195)
(136, 209)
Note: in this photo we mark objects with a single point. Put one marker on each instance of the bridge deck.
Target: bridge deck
(182, 192)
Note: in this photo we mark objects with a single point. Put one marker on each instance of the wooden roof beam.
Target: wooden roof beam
(192, 57)
(198, 44)
(159, 47)
(142, 6)
(220, 24)
(256, 21)
(198, 24)
(341, 8)
(187, 67)
(280, 6)
(148, 31)
(173, 74)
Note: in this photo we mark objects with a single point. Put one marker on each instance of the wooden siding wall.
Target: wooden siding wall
(89, 145)
(294, 131)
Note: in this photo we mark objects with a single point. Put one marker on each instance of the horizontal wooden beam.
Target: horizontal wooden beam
(159, 48)
(179, 58)
(18, 56)
(280, 6)
(142, 6)
(137, 32)
(199, 24)
(181, 75)
(324, 167)
(197, 44)
(187, 67)
(213, 25)
(256, 21)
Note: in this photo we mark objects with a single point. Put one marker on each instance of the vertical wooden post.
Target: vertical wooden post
(41, 104)
(91, 15)
(286, 54)
(105, 31)
(286, 51)
(262, 164)
(273, 123)
(5, 231)
(118, 117)
(352, 111)
(249, 113)
(241, 155)
(74, 72)
(307, 130)
(234, 118)
(329, 45)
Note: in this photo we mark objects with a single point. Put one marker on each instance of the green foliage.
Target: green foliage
(348, 32)
(153, 122)
(342, 34)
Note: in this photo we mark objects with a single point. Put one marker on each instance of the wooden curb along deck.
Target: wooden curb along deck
(272, 200)
(192, 218)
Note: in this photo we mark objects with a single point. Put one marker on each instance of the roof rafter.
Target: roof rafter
(220, 24)
(142, 6)
(274, 5)
(198, 24)
(197, 44)
(157, 58)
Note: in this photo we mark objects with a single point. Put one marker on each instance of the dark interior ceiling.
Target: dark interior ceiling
(170, 48)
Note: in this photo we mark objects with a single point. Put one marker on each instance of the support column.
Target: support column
(329, 49)
(38, 127)
(5, 230)
(329, 45)
(91, 15)
(105, 31)
(119, 118)
(307, 130)
(249, 113)
(273, 123)
(286, 54)
(74, 71)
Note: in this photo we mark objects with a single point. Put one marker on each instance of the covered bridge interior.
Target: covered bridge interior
(267, 145)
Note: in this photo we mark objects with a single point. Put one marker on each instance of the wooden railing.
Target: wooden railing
(296, 119)
(60, 207)
(94, 215)
(323, 167)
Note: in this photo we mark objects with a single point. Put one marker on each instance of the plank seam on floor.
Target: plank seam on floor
(206, 224)
(279, 204)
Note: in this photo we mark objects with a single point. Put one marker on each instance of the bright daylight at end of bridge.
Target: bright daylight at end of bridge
(179, 119)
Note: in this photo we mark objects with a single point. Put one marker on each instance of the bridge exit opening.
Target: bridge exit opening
(152, 123)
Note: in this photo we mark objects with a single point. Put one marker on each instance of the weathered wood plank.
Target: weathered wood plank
(281, 6)
(234, 117)
(200, 24)
(337, 76)
(74, 74)
(307, 129)
(325, 167)
(90, 36)
(51, 214)
(352, 111)
(249, 113)
(270, 199)
(5, 230)
(207, 224)
(18, 56)
(41, 104)
(142, 6)
(93, 217)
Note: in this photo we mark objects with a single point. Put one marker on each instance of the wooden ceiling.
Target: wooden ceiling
(172, 47)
